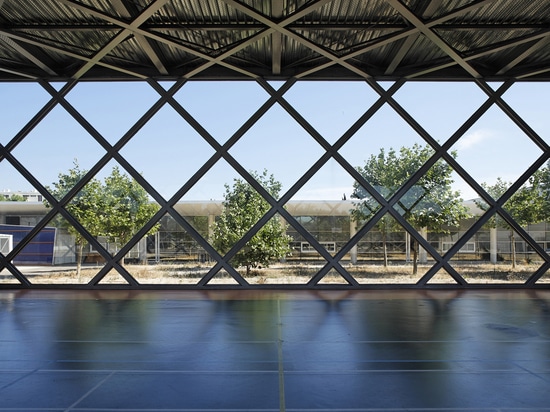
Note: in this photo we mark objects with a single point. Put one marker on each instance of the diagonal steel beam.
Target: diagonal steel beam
(28, 55)
(124, 9)
(431, 8)
(280, 28)
(119, 38)
(161, 39)
(276, 38)
(414, 31)
(537, 46)
(484, 52)
(34, 42)
(431, 35)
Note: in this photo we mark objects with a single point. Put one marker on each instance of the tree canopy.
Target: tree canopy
(526, 206)
(116, 208)
(243, 206)
(431, 203)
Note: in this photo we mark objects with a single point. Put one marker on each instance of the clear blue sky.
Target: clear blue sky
(168, 151)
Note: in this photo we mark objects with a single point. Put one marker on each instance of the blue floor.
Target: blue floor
(275, 351)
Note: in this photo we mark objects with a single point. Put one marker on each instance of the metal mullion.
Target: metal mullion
(222, 152)
(114, 153)
(495, 209)
(310, 173)
(440, 153)
(119, 268)
(207, 247)
(219, 149)
(57, 207)
(15, 272)
(540, 272)
(332, 151)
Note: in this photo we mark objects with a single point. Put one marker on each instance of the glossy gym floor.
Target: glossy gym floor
(431, 350)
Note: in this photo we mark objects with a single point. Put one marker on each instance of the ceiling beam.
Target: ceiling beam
(41, 44)
(276, 38)
(115, 41)
(537, 46)
(126, 11)
(431, 35)
(280, 27)
(430, 9)
(162, 39)
(28, 55)
(400, 35)
(495, 48)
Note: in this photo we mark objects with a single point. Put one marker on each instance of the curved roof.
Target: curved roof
(274, 39)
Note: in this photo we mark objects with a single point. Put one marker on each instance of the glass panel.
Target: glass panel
(494, 148)
(112, 108)
(20, 102)
(221, 107)
(525, 99)
(55, 144)
(172, 156)
(442, 277)
(340, 103)
(278, 144)
(74, 260)
(174, 256)
(7, 278)
(383, 254)
(211, 184)
(385, 131)
(440, 107)
(177, 153)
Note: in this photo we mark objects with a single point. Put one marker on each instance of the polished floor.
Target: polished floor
(275, 351)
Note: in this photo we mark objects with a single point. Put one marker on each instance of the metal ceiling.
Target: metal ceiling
(274, 39)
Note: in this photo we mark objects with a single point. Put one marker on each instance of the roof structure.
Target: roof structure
(274, 39)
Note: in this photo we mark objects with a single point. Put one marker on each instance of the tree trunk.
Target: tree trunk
(385, 248)
(513, 248)
(415, 256)
(79, 253)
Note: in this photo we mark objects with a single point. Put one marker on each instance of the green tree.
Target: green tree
(83, 207)
(14, 198)
(525, 206)
(243, 206)
(126, 207)
(430, 204)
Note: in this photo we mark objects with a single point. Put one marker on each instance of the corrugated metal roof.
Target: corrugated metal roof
(276, 39)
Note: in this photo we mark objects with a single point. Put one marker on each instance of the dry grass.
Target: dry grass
(192, 273)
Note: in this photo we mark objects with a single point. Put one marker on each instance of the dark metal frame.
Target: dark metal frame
(47, 50)
(277, 205)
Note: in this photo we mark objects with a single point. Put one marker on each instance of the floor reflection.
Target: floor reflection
(309, 350)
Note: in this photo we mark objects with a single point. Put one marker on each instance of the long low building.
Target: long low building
(328, 221)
